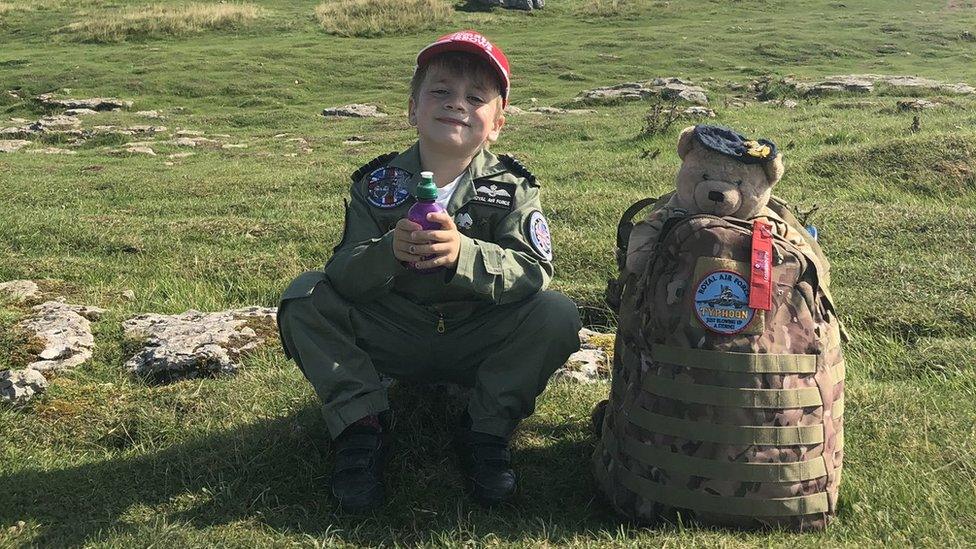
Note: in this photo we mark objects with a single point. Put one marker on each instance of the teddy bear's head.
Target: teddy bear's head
(723, 173)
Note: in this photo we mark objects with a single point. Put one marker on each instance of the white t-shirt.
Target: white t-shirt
(444, 193)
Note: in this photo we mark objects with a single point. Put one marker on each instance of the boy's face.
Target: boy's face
(456, 114)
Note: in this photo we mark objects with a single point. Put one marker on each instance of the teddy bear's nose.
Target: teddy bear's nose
(716, 196)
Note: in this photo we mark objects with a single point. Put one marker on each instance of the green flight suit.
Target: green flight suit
(488, 323)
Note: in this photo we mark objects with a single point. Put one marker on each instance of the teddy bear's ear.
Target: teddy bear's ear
(774, 170)
(686, 141)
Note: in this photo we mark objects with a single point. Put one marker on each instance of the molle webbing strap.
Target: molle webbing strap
(725, 470)
(732, 396)
(838, 408)
(837, 372)
(759, 363)
(739, 506)
(726, 434)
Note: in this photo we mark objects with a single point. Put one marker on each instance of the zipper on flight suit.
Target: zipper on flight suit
(441, 328)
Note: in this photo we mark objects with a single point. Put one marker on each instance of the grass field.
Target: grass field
(104, 459)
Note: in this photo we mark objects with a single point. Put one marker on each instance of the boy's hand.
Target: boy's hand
(403, 244)
(444, 244)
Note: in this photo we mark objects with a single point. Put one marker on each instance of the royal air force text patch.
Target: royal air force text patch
(493, 193)
(538, 229)
(387, 187)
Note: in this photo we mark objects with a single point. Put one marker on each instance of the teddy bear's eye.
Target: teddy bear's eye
(705, 176)
(738, 182)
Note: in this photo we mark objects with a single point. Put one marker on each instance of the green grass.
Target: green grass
(104, 459)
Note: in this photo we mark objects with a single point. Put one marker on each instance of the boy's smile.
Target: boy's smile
(455, 114)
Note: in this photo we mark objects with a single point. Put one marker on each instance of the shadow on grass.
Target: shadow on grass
(274, 473)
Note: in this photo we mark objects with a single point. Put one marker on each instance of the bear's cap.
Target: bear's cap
(735, 145)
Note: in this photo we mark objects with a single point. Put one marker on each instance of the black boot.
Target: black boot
(486, 462)
(360, 454)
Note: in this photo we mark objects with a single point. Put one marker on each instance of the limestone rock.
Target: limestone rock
(665, 88)
(51, 150)
(80, 112)
(95, 104)
(590, 364)
(19, 291)
(55, 122)
(12, 145)
(65, 332)
(785, 103)
(148, 114)
(916, 104)
(698, 112)
(140, 150)
(556, 110)
(138, 129)
(19, 386)
(865, 83)
(195, 343)
(526, 5)
(354, 110)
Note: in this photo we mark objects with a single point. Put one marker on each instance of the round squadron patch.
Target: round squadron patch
(539, 235)
(722, 302)
(387, 187)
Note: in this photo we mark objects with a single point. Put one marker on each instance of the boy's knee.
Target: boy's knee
(557, 312)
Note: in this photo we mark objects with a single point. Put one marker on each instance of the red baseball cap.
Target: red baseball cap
(472, 42)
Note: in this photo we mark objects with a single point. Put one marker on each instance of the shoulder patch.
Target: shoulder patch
(517, 168)
(387, 187)
(380, 160)
(538, 231)
(494, 193)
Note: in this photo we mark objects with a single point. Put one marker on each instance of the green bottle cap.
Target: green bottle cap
(426, 190)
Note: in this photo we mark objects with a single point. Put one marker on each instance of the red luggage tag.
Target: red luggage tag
(760, 281)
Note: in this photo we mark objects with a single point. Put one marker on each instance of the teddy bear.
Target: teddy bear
(722, 173)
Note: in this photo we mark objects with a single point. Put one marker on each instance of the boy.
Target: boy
(482, 320)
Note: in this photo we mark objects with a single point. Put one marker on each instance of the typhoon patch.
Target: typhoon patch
(538, 229)
(722, 302)
(387, 187)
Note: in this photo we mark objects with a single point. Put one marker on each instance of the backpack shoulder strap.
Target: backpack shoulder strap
(615, 286)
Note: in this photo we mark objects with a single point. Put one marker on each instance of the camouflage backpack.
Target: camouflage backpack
(731, 413)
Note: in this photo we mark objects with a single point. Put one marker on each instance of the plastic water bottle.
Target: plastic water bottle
(426, 196)
(813, 232)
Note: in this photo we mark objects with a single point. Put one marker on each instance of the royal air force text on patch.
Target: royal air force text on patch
(722, 302)
(387, 187)
(493, 193)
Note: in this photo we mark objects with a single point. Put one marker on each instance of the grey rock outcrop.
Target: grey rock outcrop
(916, 104)
(354, 110)
(19, 386)
(866, 83)
(698, 112)
(19, 291)
(665, 88)
(588, 365)
(12, 145)
(65, 332)
(195, 343)
(526, 5)
(95, 103)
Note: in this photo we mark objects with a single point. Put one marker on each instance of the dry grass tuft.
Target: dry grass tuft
(160, 20)
(382, 17)
(6, 7)
(618, 8)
